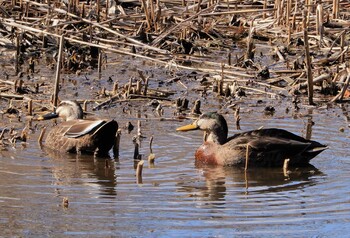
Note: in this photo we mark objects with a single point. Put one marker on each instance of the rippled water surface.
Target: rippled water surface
(177, 198)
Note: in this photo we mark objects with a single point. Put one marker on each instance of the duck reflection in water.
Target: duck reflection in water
(219, 180)
(99, 175)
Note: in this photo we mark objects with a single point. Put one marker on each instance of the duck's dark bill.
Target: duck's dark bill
(48, 116)
(187, 127)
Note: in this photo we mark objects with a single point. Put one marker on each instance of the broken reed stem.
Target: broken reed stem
(139, 171)
(139, 133)
(146, 86)
(41, 136)
(85, 105)
(308, 60)
(197, 107)
(342, 44)
(238, 118)
(2, 133)
(98, 10)
(246, 158)
(58, 72)
(117, 143)
(136, 151)
(129, 87)
(99, 63)
(115, 88)
(138, 87)
(17, 55)
(150, 144)
(30, 107)
(285, 167)
(149, 24)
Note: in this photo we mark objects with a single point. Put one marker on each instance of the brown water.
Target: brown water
(177, 198)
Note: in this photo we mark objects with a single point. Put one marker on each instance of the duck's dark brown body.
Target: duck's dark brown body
(266, 147)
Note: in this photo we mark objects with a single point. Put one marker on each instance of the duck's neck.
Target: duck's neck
(218, 136)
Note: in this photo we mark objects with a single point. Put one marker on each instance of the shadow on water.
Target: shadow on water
(71, 169)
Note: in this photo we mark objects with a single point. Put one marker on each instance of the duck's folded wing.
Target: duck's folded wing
(79, 128)
(277, 144)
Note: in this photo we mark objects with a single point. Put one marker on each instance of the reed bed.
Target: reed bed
(306, 42)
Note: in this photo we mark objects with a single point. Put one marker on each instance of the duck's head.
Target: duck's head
(213, 124)
(68, 110)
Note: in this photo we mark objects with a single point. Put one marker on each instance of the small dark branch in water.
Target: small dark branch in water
(150, 144)
(237, 118)
(137, 155)
(246, 158)
(116, 144)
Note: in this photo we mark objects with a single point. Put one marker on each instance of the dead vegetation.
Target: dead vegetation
(236, 48)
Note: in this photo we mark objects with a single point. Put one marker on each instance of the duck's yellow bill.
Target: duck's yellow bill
(187, 127)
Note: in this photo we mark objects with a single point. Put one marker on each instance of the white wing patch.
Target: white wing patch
(83, 127)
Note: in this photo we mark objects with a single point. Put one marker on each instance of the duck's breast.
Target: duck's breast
(207, 154)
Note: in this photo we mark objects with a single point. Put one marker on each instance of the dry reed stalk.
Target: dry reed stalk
(41, 136)
(58, 72)
(308, 60)
(246, 158)
(151, 11)
(342, 44)
(148, 18)
(235, 12)
(319, 23)
(99, 63)
(98, 10)
(335, 9)
(115, 88)
(17, 54)
(288, 11)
